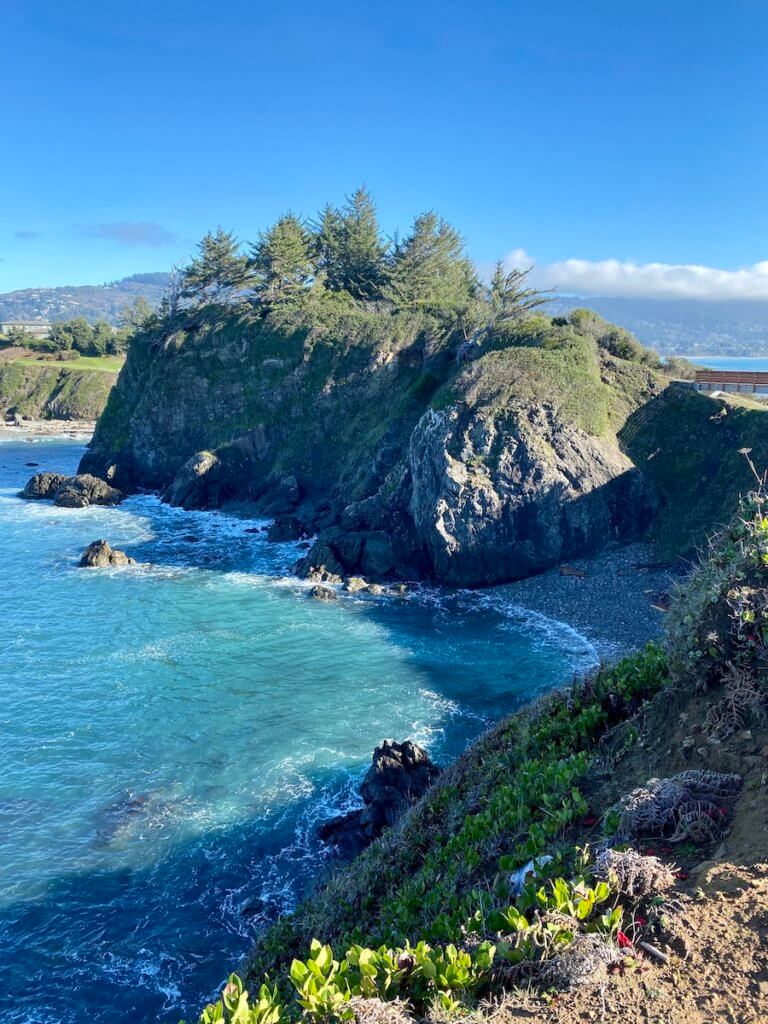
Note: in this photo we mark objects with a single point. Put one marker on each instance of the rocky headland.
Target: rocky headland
(402, 463)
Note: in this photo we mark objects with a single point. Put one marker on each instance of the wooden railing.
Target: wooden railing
(741, 380)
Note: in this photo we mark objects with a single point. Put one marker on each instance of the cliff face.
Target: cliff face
(403, 462)
(499, 497)
(47, 391)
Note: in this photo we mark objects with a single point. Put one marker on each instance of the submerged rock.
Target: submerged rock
(100, 553)
(323, 594)
(71, 491)
(399, 775)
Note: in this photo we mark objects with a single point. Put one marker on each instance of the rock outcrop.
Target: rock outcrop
(71, 491)
(402, 461)
(496, 498)
(286, 528)
(42, 486)
(399, 775)
(100, 554)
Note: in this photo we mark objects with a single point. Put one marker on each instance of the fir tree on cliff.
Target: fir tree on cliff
(281, 260)
(218, 272)
(510, 296)
(350, 249)
(429, 267)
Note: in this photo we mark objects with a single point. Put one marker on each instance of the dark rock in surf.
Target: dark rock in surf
(399, 775)
(286, 528)
(71, 491)
(42, 486)
(84, 490)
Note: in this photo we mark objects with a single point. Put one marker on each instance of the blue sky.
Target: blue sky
(631, 132)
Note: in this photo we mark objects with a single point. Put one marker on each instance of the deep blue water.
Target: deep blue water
(172, 733)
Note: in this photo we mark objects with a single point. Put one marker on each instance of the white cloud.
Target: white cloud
(127, 232)
(650, 280)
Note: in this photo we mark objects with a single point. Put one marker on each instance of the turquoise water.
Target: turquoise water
(752, 363)
(172, 733)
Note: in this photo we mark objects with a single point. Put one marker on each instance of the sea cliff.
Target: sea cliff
(405, 458)
(51, 391)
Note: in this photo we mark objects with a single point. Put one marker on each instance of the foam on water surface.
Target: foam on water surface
(174, 732)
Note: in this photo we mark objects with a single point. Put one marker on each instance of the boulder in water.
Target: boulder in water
(42, 486)
(71, 491)
(399, 775)
(323, 594)
(100, 554)
(84, 490)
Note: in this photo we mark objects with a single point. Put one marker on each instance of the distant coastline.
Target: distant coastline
(48, 428)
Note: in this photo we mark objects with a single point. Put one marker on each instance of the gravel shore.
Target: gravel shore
(615, 598)
(48, 428)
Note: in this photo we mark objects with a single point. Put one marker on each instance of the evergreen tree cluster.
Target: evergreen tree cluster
(345, 254)
(79, 336)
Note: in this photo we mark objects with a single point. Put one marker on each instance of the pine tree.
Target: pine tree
(281, 260)
(362, 250)
(351, 253)
(510, 296)
(429, 267)
(327, 245)
(133, 315)
(218, 272)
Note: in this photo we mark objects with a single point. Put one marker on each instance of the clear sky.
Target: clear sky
(630, 131)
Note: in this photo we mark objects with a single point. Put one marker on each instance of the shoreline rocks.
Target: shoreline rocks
(100, 554)
(71, 491)
(399, 775)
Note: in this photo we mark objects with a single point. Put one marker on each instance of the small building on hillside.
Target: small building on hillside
(34, 328)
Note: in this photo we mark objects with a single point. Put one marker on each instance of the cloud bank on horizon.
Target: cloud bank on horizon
(624, 279)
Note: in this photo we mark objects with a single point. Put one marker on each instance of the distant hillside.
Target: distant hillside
(684, 326)
(94, 302)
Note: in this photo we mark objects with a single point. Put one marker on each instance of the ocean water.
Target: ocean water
(750, 363)
(172, 733)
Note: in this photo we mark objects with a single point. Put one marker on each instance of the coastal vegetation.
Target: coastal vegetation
(431, 922)
(48, 390)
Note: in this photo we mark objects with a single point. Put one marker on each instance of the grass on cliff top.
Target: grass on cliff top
(548, 361)
(53, 390)
(102, 364)
(689, 445)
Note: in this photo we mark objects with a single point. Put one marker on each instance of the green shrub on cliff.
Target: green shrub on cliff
(425, 915)
(510, 798)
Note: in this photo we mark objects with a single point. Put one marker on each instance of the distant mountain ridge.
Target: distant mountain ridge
(94, 302)
(683, 326)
